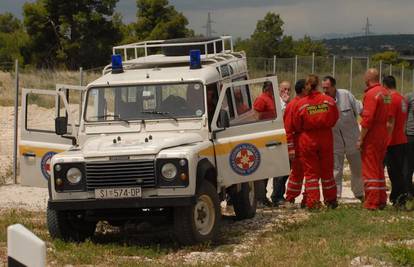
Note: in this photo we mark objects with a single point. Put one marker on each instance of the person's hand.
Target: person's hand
(292, 155)
(359, 144)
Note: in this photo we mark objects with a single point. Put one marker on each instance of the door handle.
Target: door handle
(273, 143)
(29, 154)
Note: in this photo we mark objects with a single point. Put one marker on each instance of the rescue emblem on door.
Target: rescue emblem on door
(45, 166)
(245, 159)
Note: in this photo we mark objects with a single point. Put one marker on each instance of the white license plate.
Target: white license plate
(129, 192)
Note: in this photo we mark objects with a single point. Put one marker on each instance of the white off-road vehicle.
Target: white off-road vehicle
(166, 133)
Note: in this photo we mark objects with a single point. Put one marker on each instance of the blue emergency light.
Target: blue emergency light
(195, 59)
(117, 64)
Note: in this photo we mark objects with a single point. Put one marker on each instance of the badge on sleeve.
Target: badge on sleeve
(45, 165)
(245, 159)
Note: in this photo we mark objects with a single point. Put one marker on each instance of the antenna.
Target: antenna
(208, 26)
(367, 28)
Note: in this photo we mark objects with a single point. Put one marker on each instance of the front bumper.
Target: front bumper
(100, 204)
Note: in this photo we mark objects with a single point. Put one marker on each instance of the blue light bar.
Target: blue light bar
(195, 59)
(117, 64)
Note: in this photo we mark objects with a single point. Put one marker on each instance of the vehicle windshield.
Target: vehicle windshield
(161, 101)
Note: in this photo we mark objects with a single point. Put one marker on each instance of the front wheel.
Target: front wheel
(244, 201)
(199, 222)
(69, 226)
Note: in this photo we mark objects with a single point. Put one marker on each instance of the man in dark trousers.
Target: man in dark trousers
(396, 151)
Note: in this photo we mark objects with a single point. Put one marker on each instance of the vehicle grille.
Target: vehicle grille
(100, 174)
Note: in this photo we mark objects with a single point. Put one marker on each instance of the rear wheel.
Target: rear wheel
(199, 222)
(69, 226)
(244, 201)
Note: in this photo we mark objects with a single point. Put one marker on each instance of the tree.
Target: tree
(267, 37)
(156, 19)
(390, 57)
(13, 39)
(71, 33)
(306, 46)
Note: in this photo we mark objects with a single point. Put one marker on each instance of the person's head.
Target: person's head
(329, 86)
(371, 77)
(389, 82)
(267, 88)
(284, 91)
(312, 83)
(300, 87)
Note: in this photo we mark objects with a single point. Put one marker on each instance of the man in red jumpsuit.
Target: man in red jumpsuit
(374, 139)
(295, 180)
(313, 118)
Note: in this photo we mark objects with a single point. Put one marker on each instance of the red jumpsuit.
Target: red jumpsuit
(377, 102)
(313, 118)
(294, 185)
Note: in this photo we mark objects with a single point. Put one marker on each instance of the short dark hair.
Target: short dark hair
(331, 79)
(299, 86)
(389, 81)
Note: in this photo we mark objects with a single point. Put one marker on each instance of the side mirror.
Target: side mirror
(224, 119)
(61, 125)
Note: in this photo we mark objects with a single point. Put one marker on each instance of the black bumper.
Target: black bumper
(100, 204)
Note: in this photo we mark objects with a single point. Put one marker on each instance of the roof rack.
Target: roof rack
(145, 45)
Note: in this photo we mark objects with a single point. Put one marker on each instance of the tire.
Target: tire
(199, 222)
(244, 201)
(67, 226)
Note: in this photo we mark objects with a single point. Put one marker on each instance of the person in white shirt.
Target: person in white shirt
(346, 134)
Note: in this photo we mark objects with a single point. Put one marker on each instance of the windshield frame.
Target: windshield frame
(178, 117)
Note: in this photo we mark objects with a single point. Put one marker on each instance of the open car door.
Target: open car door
(249, 137)
(38, 140)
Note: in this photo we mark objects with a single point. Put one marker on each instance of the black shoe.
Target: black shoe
(361, 198)
(332, 204)
(267, 202)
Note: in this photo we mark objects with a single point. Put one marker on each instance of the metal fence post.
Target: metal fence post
(274, 64)
(367, 63)
(313, 62)
(296, 68)
(402, 79)
(16, 116)
(380, 70)
(350, 74)
(80, 76)
(333, 66)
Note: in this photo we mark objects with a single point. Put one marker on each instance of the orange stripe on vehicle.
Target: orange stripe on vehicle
(38, 151)
(226, 148)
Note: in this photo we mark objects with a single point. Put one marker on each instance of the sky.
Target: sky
(311, 17)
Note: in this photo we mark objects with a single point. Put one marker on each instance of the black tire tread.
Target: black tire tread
(241, 205)
(183, 224)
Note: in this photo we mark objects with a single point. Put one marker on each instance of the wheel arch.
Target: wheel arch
(206, 171)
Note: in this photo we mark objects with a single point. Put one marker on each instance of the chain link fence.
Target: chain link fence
(348, 71)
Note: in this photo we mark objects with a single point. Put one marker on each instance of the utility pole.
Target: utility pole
(367, 28)
(209, 26)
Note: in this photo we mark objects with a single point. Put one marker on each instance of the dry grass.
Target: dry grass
(39, 79)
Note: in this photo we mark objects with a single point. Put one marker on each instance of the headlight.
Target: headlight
(74, 175)
(169, 171)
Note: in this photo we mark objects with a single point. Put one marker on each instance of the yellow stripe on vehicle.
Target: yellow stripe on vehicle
(38, 151)
(258, 142)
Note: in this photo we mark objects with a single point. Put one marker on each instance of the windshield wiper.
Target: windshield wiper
(165, 114)
(115, 116)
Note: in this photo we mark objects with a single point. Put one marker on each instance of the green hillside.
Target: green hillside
(368, 45)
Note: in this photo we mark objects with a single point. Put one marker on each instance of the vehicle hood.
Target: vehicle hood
(136, 144)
